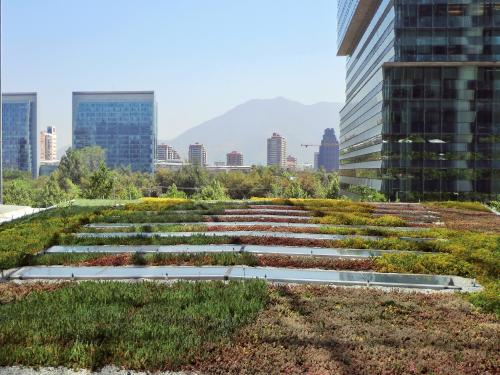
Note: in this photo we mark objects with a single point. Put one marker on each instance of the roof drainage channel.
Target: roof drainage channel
(283, 275)
(200, 249)
(250, 233)
(252, 224)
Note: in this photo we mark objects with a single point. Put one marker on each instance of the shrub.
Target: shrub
(213, 191)
(173, 192)
(367, 194)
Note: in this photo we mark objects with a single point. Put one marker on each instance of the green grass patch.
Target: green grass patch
(136, 326)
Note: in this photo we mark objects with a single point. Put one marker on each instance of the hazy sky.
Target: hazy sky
(201, 57)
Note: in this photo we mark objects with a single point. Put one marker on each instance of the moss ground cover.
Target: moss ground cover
(137, 326)
(324, 330)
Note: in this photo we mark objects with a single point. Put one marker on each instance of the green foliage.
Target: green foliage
(101, 183)
(294, 190)
(19, 192)
(489, 299)
(189, 179)
(495, 205)
(24, 237)
(333, 187)
(173, 192)
(76, 165)
(213, 191)
(367, 194)
(437, 264)
(51, 193)
(143, 326)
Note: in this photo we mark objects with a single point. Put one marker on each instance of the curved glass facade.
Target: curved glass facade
(424, 122)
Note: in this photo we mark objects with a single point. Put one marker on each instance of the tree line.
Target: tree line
(83, 174)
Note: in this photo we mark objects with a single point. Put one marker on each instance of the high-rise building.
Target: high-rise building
(316, 161)
(122, 123)
(165, 152)
(291, 162)
(48, 144)
(328, 156)
(197, 155)
(234, 158)
(276, 151)
(19, 132)
(422, 113)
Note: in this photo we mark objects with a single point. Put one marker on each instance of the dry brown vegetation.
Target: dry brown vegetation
(253, 260)
(325, 330)
(478, 221)
(10, 292)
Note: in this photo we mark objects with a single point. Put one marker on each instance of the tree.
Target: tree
(367, 194)
(19, 192)
(172, 192)
(76, 165)
(101, 183)
(51, 193)
(213, 191)
(333, 188)
(294, 190)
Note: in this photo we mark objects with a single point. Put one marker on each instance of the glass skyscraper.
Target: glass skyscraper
(19, 132)
(328, 156)
(422, 113)
(122, 123)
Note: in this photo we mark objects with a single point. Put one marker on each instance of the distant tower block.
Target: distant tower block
(234, 159)
(276, 151)
(198, 155)
(328, 156)
(48, 144)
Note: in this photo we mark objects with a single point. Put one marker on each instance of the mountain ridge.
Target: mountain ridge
(247, 126)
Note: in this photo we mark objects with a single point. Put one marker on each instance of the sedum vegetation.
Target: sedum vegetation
(471, 253)
(137, 326)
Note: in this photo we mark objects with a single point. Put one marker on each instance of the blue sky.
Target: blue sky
(202, 57)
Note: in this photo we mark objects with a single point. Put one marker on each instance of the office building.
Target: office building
(234, 158)
(165, 153)
(422, 112)
(328, 156)
(48, 144)
(316, 161)
(122, 123)
(197, 155)
(46, 168)
(291, 162)
(276, 151)
(19, 132)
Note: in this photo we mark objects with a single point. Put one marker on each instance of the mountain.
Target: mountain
(246, 128)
